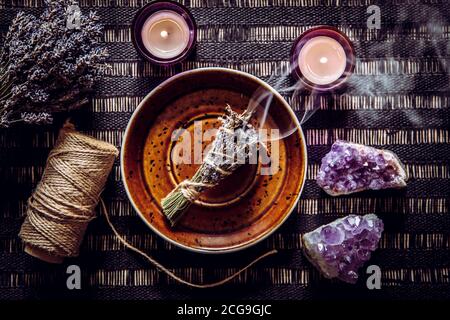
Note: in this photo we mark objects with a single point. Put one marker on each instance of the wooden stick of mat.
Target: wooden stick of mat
(170, 273)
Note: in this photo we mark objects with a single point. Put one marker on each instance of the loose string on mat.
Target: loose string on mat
(169, 273)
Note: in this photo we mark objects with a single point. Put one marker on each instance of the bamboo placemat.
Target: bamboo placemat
(399, 100)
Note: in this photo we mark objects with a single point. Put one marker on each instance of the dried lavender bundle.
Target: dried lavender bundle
(46, 66)
(235, 143)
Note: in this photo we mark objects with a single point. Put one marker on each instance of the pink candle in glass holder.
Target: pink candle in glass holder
(322, 59)
(164, 32)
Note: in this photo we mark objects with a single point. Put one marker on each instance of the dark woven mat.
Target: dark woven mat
(398, 99)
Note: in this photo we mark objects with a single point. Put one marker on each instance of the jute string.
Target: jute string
(191, 190)
(64, 202)
(168, 272)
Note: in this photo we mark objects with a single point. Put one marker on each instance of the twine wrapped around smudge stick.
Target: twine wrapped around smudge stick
(64, 201)
(235, 141)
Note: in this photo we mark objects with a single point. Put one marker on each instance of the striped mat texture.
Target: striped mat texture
(398, 99)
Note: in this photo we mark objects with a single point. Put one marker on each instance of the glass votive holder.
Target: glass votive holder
(322, 59)
(164, 32)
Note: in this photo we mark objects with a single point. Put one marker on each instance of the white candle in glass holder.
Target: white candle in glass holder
(165, 34)
(322, 60)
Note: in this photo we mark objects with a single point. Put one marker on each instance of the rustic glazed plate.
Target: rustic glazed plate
(247, 206)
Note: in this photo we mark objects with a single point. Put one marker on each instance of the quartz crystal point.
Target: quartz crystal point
(351, 167)
(340, 248)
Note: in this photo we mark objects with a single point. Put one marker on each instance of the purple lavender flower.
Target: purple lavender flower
(36, 118)
(46, 67)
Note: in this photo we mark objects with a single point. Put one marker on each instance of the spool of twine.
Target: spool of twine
(64, 201)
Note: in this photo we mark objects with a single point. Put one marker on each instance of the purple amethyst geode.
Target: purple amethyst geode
(351, 167)
(340, 248)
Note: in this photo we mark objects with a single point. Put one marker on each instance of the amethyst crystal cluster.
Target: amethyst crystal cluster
(351, 167)
(340, 248)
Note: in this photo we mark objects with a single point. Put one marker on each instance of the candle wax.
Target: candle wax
(165, 34)
(322, 60)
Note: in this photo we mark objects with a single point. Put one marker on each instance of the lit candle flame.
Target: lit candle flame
(164, 34)
(323, 60)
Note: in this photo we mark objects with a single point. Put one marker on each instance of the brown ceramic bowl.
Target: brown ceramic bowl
(247, 206)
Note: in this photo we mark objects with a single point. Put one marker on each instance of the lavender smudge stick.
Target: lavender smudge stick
(235, 141)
